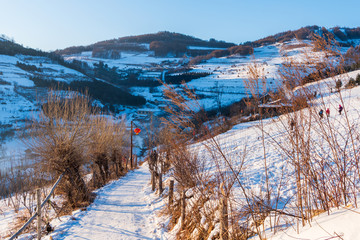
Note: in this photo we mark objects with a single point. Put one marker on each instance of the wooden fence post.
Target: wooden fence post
(160, 183)
(126, 164)
(121, 164)
(171, 192)
(94, 176)
(224, 221)
(153, 180)
(183, 208)
(38, 196)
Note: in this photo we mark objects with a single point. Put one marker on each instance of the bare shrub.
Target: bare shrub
(204, 178)
(60, 135)
(105, 147)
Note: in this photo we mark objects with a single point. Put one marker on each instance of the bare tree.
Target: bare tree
(60, 133)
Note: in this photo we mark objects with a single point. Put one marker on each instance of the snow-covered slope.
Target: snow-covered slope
(246, 138)
(20, 98)
(341, 223)
(229, 74)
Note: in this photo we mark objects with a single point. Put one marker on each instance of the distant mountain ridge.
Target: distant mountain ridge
(165, 43)
(176, 37)
(161, 43)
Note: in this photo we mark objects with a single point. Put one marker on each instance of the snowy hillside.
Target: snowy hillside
(227, 74)
(245, 139)
(20, 98)
(225, 84)
(128, 60)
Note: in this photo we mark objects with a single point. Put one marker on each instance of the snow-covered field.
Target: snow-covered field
(128, 60)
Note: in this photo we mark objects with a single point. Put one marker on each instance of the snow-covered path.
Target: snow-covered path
(122, 210)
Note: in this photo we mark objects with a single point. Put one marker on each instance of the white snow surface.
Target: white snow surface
(339, 224)
(123, 209)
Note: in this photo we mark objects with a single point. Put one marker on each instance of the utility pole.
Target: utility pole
(131, 146)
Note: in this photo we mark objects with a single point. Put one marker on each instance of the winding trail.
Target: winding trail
(124, 209)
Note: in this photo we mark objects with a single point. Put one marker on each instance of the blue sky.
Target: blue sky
(51, 24)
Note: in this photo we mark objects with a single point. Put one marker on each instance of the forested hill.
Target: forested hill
(8, 47)
(342, 35)
(175, 37)
(133, 43)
